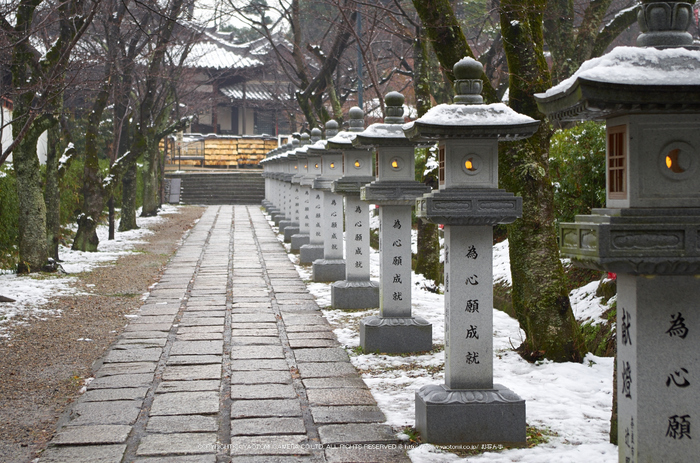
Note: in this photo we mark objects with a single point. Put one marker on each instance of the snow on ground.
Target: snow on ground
(572, 400)
(31, 292)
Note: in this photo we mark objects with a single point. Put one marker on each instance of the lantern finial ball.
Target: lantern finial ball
(468, 68)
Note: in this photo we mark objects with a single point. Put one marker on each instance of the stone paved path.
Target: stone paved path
(228, 360)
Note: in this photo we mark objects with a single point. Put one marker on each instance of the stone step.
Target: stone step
(221, 188)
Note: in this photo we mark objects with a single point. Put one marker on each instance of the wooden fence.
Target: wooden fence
(211, 150)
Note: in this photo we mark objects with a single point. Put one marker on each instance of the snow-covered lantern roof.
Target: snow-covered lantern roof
(331, 159)
(395, 164)
(650, 100)
(467, 134)
(357, 161)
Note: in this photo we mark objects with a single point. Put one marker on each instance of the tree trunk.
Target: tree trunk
(33, 249)
(93, 201)
(128, 212)
(540, 295)
(428, 258)
(613, 416)
(52, 197)
(150, 181)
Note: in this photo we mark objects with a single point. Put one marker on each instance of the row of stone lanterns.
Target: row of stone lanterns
(469, 407)
(649, 234)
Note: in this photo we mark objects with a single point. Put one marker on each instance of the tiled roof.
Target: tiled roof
(253, 91)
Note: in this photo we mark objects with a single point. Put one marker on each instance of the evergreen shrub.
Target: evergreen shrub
(577, 168)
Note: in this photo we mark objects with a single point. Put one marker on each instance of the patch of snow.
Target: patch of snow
(637, 66)
(472, 115)
(570, 399)
(33, 291)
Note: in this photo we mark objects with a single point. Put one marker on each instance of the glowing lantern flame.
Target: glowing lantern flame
(395, 164)
(357, 163)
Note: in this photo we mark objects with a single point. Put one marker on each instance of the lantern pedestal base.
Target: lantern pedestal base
(302, 239)
(328, 270)
(284, 224)
(355, 294)
(308, 253)
(291, 230)
(464, 416)
(395, 335)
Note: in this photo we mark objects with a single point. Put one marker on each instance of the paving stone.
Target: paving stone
(148, 327)
(158, 310)
(201, 306)
(290, 306)
(144, 343)
(277, 445)
(208, 321)
(272, 459)
(340, 396)
(251, 305)
(208, 458)
(95, 434)
(356, 433)
(190, 314)
(121, 381)
(306, 343)
(252, 318)
(267, 391)
(267, 426)
(133, 355)
(191, 372)
(185, 403)
(347, 414)
(177, 443)
(366, 454)
(126, 368)
(182, 423)
(155, 319)
(193, 359)
(308, 328)
(300, 289)
(254, 365)
(84, 454)
(264, 408)
(112, 412)
(325, 334)
(257, 352)
(324, 370)
(197, 347)
(254, 332)
(199, 337)
(311, 318)
(321, 355)
(255, 340)
(336, 382)
(189, 386)
(200, 329)
(293, 296)
(261, 377)
(144, 334)
(103, 395)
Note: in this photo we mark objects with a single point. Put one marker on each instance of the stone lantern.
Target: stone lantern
(395, 191)
(287, 172)
(281, 181)
(357, 291)
(649, 232)
(331, 267)
(302, 178)
(469, 407)
(312, 250)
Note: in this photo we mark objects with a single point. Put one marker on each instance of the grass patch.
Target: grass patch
(534, 436)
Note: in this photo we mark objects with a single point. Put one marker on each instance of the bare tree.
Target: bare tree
(37, 86)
